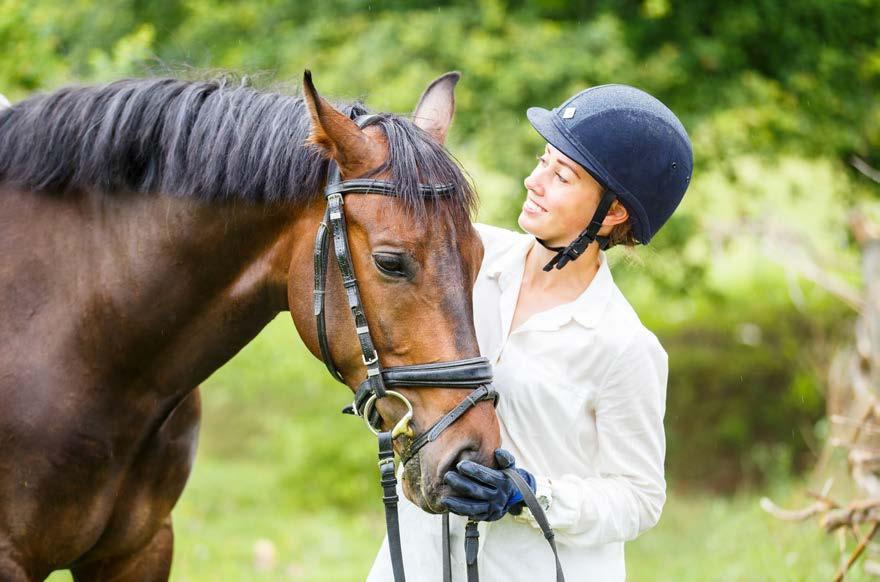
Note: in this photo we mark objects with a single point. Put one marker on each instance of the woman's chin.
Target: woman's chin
(529, 223)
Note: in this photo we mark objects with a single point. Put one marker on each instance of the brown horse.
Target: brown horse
(149, 229)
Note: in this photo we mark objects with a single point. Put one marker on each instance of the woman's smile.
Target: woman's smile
(531, 207)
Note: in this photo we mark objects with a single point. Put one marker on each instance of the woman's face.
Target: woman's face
(560, 198)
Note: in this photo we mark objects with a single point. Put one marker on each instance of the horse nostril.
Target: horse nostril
(466, 453)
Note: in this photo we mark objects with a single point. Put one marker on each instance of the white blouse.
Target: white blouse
(583, 394)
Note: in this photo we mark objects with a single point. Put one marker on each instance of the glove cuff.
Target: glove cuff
(515, 503)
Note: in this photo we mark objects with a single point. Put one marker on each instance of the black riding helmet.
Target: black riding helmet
(633, 145)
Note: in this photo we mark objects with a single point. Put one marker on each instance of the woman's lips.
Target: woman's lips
(532, 208)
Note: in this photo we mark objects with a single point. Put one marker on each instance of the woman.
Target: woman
(582, 381)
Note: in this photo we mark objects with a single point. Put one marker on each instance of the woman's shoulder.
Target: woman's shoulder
(623, 331)
(497, 240)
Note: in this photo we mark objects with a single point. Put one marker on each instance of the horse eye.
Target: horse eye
(391, 264)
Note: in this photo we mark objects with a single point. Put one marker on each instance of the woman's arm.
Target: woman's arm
(628, 495)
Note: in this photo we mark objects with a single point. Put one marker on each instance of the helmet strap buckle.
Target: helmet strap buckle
(578, 246)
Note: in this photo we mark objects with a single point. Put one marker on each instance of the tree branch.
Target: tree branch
(865, 168)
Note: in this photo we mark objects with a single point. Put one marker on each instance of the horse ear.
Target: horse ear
(339, 136)
(437, 105)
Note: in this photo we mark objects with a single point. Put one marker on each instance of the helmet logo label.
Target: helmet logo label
(569, 112)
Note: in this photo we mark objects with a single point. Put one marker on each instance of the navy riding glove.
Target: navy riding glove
(482, 493)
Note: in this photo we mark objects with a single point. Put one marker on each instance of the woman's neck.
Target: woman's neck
(569, 282)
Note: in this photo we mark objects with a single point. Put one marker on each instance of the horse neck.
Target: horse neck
(157, 292)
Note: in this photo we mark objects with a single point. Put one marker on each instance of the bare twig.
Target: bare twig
(869, 413)
(866, 427)
(792, 514)
(795, 254)
(824, 499)
(865, 168)
(854, 395)
(837, 518)
(857, 552)
(821, 277)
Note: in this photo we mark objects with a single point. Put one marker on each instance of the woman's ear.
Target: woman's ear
(617, 214)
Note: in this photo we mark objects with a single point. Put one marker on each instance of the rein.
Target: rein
(379, 383)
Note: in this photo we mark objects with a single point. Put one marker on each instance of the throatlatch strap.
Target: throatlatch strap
(577, 247)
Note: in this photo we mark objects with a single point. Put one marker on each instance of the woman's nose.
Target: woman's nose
(531, 183)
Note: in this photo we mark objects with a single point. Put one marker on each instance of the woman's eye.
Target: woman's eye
(541, 160)
(561, 179)
(390, 264)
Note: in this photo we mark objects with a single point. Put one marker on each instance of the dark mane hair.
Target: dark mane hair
(204, 139)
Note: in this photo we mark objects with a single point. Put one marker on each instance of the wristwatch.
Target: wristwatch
(544, 496)
(543, 493)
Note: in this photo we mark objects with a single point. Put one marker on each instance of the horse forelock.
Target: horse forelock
(203, 139)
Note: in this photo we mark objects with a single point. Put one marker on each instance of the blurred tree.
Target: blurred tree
(777, 96)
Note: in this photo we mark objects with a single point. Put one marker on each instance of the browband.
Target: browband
(383, 187)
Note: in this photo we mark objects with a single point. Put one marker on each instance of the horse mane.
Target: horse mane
(203, 139)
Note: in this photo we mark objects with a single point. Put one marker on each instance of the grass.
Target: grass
(278, 465)
(732, 539)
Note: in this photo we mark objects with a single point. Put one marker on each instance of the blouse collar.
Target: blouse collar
(586, 309)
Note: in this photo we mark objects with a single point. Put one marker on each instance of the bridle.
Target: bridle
(380, 382)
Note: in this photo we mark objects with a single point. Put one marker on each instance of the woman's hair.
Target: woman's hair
(622, 234)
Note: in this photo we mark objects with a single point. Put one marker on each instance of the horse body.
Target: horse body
(115, 306)
(156, 313)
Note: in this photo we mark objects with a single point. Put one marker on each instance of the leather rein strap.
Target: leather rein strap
(379, 383)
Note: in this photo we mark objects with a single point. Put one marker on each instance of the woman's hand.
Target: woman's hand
(482, 493)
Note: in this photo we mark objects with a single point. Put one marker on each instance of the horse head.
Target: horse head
(415, 257)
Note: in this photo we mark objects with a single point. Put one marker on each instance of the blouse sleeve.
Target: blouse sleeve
(627, 496)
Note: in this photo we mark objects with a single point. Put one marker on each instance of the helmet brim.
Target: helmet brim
(544, 122)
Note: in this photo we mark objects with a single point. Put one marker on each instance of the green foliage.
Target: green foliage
(292, 425)
(745, 393)
(776, 96)
(794, 76)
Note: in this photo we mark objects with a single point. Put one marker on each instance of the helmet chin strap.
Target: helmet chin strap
(577, 247)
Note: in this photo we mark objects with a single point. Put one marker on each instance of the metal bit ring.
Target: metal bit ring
(402, 426)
